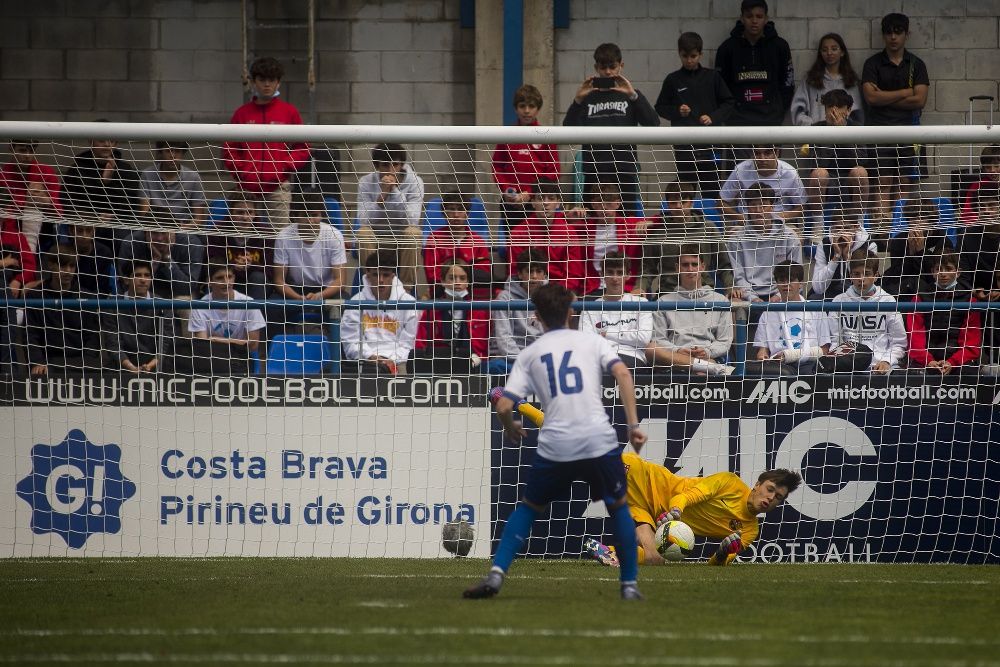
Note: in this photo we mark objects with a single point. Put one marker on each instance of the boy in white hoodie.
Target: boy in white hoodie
(628, 330)
(882, 332)
(381, 339)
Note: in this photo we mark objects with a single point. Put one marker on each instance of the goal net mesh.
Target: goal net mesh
(261, 345)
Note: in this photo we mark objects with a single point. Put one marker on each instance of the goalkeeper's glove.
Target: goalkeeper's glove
(674, 514)
(731, 544)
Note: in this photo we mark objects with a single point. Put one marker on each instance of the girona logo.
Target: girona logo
(75, 489)
(735, 524)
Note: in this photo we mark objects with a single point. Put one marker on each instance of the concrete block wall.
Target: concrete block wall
(389, 61)
(958, 39)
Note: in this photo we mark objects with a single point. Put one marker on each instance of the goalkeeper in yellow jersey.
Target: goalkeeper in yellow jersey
(719, 506)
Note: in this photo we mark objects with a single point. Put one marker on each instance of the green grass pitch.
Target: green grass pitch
(373, 611)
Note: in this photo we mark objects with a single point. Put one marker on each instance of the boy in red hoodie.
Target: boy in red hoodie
(547, 228)
(264, 169)
(606, 229)
(517, 168)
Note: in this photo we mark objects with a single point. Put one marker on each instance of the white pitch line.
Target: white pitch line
(489, 659)
(605, 633)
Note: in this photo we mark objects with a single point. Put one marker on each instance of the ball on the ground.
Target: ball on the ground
(674, 540)
(457, 537)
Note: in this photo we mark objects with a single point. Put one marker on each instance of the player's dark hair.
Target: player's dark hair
(683, 190)
(862, 259)
(689, 42)
(747, 5)
(837, 98)
(814, 77)
(788, 270)
(552, 303)
(613, 260)
(990, 155)
(532, 257)
(388, 153)
(607, 54)
(382, 260)
(528, 94)
(267, 68)
(781, 477)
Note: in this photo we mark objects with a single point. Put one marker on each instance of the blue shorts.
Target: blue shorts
(550, 480)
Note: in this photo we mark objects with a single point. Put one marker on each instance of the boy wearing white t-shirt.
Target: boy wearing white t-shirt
(234, 326)
(765, 168)
(792, 338)
(309, 254)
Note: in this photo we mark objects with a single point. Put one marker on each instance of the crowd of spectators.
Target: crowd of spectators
(69, 237)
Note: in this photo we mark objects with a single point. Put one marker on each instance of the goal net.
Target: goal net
(274, 340)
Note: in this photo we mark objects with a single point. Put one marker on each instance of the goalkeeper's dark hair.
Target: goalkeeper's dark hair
(552, 303)
(781, 477)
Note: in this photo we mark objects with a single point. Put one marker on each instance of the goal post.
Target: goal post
(310, 414)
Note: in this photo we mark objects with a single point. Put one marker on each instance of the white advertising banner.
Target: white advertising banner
(241, 481)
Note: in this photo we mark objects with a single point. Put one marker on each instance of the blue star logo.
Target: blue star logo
(795, 330)
(75, 489)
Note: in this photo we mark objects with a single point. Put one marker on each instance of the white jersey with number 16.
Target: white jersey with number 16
(564, 368)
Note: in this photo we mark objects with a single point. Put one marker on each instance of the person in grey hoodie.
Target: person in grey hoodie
(759, 245)
(390, 203)
(692, 340)
(514, 330)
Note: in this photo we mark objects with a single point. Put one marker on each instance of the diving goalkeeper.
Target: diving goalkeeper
(718, 506)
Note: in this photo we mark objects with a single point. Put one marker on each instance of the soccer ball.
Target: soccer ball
(674, 540)
(457, 537)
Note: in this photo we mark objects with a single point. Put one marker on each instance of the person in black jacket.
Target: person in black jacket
(102, 181)
(131, 333)
(599, 104)
(756, 65)
(695, 96)
(61, 338)
(912, 253)
(979, 246)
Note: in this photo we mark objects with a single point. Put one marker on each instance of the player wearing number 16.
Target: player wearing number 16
(564, 368)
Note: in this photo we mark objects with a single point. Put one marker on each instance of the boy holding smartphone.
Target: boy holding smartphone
(608, 99)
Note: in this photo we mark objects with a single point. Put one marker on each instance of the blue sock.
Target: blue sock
(623, 528)
(514, 535)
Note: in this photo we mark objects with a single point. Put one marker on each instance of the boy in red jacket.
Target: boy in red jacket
(945, 341)
(263, 169)
(456, 241)
(606, 229)
(517, 168)
(547, 228)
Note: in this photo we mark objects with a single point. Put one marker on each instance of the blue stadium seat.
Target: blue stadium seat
(310, 354)
(335, 213)
(947, 218)
(478, 221)
(710, 209)
(218, 210)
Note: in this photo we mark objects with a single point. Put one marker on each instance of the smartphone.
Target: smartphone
(604, 82)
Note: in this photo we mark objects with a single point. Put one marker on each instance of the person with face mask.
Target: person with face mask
(452, 340)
